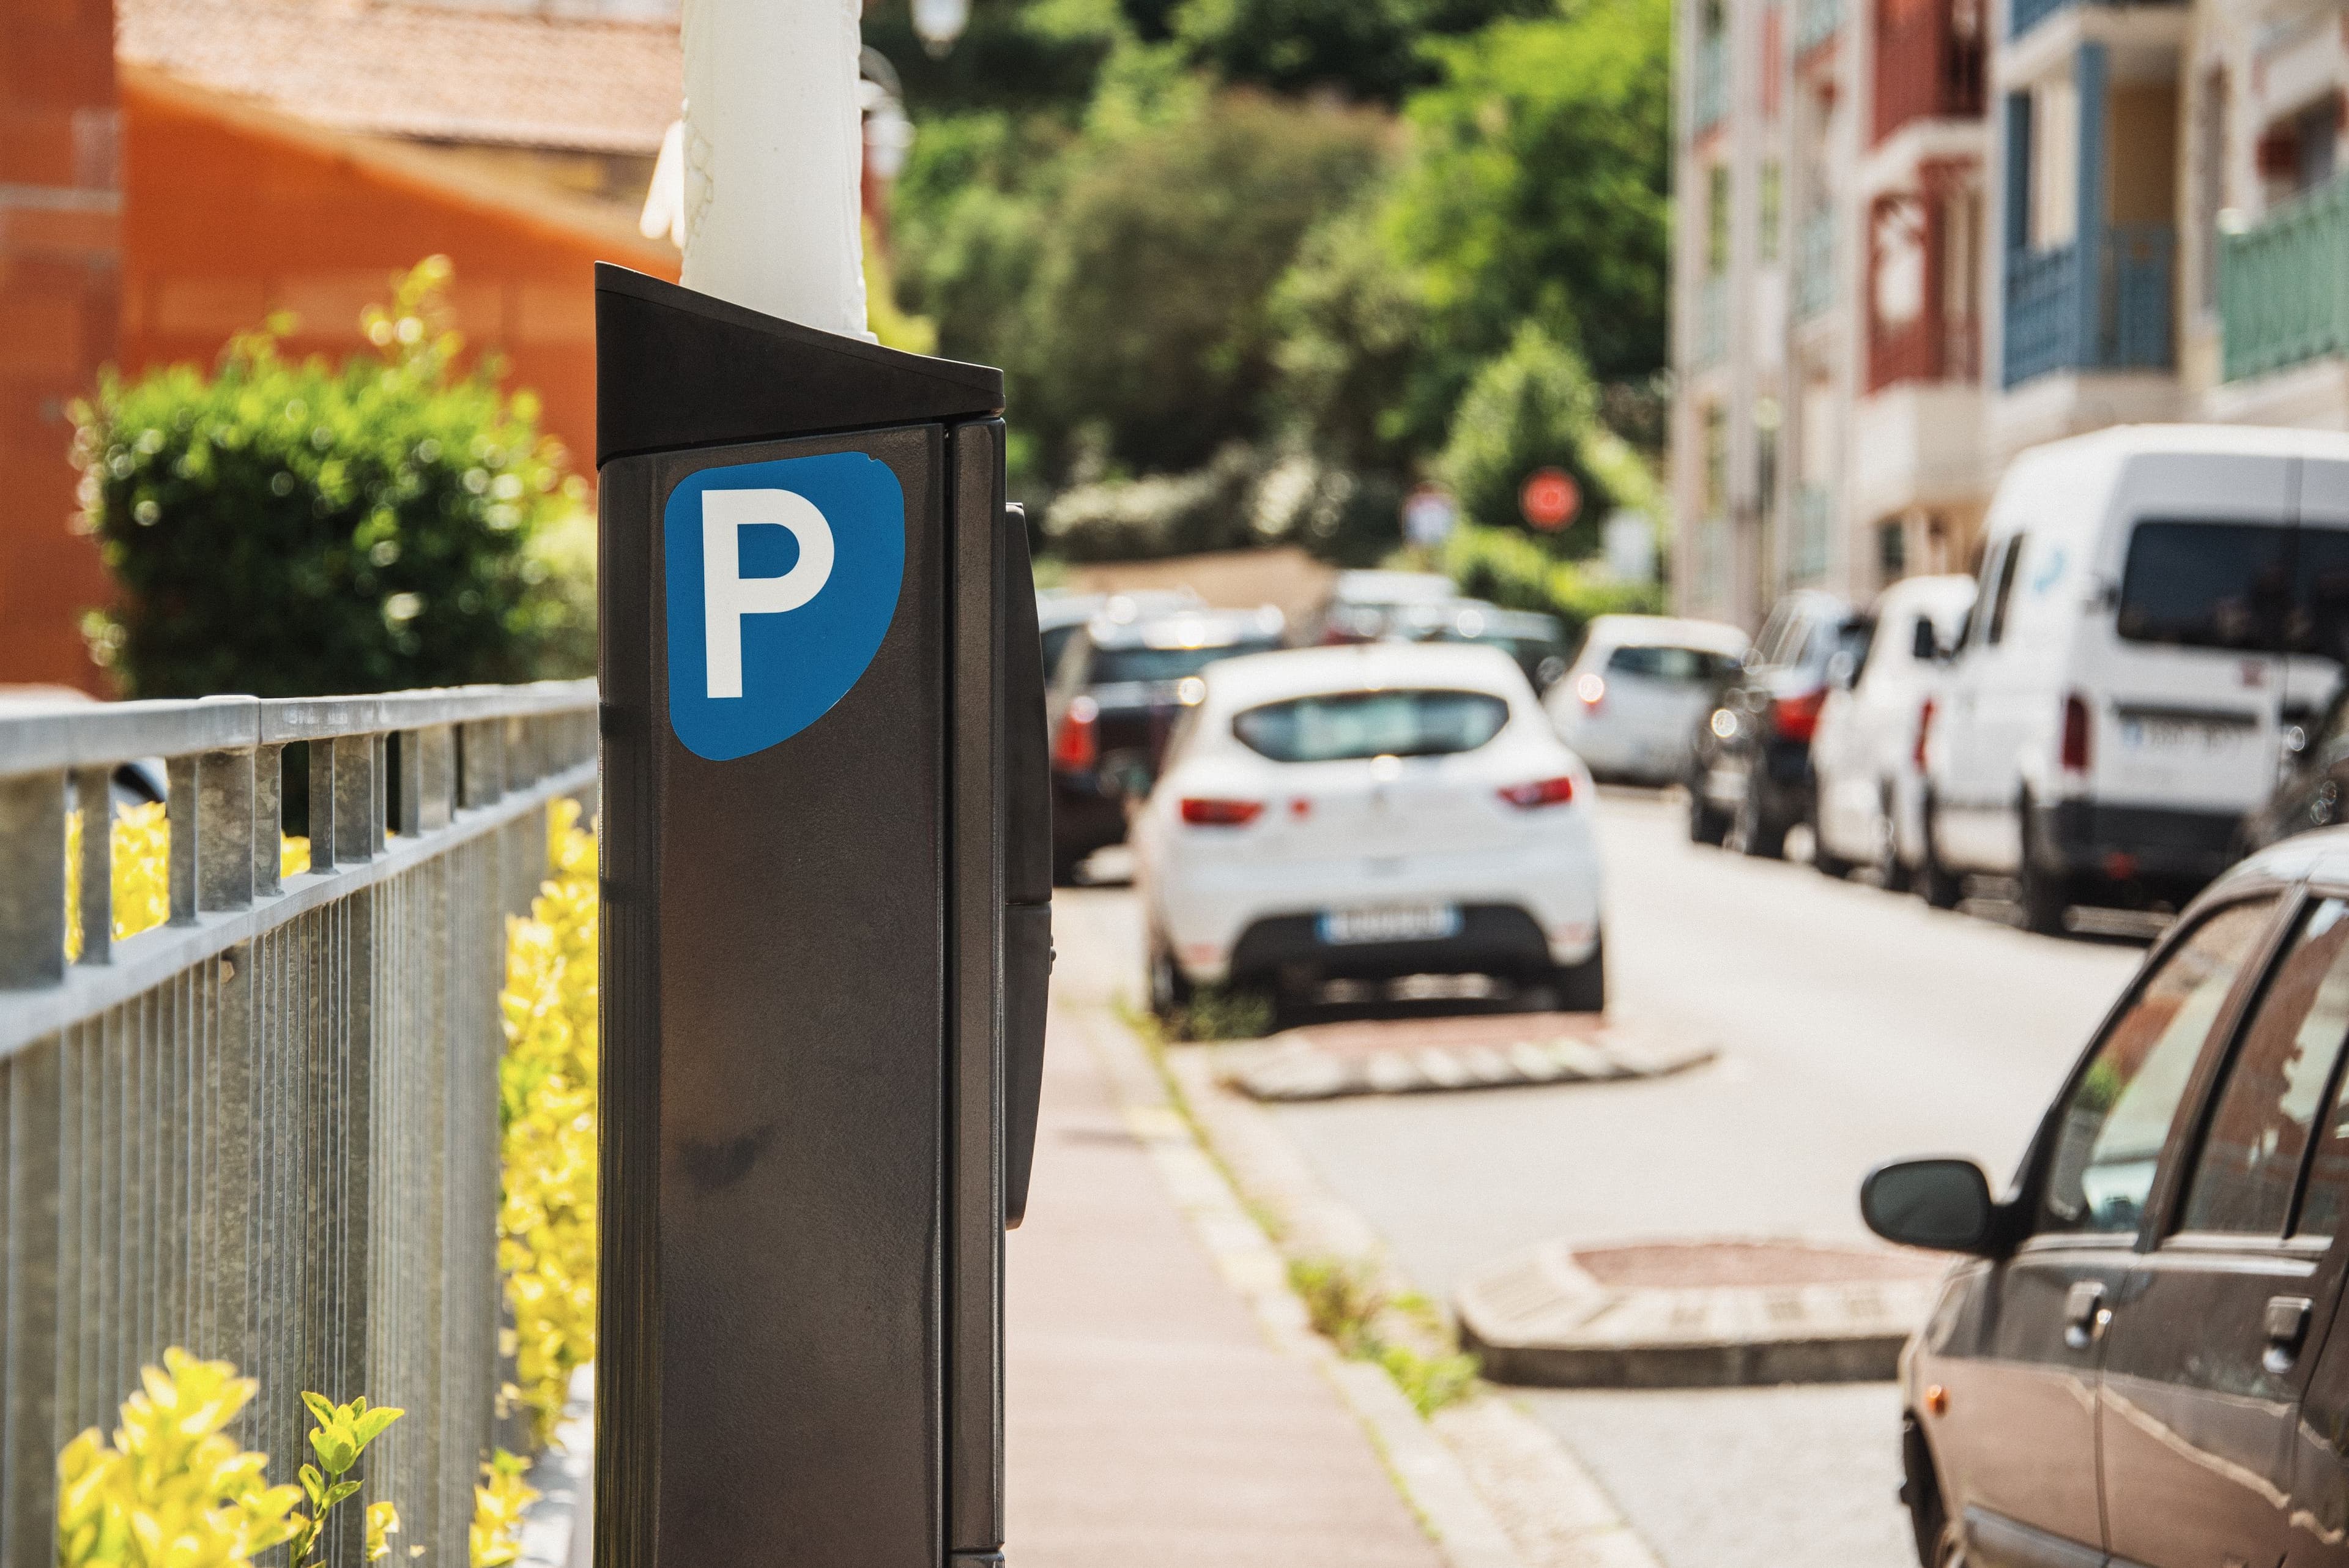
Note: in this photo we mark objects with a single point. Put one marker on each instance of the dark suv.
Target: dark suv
(1750, 777)
(1116, 694)
(2134, 1362)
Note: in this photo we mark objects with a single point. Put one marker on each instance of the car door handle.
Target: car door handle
(2084, 1313)
(2287, 1328)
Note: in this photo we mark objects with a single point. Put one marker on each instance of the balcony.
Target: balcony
(2103, 306)
(1924, 69)
(1711, 344)
(1815, 22)
(2283, 286)
(2025, 15)
(1709, 96)
(1815, 279)
(1806, 552)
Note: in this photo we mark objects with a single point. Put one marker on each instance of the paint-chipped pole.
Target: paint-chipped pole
(773, 146)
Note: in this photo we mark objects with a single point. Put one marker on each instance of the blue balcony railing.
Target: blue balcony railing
(1711, 344)
(1709, 97)
(2284, 286)
(2025, 15)
(1815, 22)
(1814, 278)
(2103, 306)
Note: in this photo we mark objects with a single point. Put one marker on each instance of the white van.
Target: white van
(2156, 602)
(1867, 792)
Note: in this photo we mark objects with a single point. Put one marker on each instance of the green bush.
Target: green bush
(296, 529)
(1508, 567)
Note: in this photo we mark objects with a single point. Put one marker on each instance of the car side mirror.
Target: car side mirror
(1924, 642)
(1547, 673)
(1942, 1205)
(1841, 668)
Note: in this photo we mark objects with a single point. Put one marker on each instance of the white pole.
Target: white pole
(773, 153)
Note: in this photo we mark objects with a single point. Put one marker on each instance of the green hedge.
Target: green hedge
(1509, 569)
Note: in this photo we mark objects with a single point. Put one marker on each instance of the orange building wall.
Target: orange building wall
(58, 217)
(230, 214)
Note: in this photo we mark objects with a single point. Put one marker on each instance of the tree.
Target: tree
(1370, 50)
(1146, 333)
(1538, 185)
(302, 529)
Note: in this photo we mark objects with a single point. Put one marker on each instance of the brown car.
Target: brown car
(2135, 1362)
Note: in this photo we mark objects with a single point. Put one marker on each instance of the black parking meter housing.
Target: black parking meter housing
(826, 935)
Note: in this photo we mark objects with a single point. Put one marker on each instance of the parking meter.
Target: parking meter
(826, 885)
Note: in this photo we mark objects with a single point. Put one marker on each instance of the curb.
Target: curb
(1425, 1468)
(1512, 1477)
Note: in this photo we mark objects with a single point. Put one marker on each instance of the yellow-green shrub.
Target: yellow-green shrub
(500, 1498)
(175, 1491)
(546, 1102)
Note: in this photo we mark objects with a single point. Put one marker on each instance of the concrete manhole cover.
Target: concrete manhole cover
(1694, 1313)
(1419, 1055)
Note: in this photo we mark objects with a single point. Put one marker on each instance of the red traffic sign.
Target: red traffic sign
(1549, 498)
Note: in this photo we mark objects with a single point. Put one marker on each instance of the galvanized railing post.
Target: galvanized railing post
(268, 820)
(225, 830)
(94, 798)
(33, 880)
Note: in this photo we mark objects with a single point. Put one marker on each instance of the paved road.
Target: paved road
(1854, 1026)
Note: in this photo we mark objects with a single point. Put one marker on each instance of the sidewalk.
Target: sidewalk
(1150, 1414)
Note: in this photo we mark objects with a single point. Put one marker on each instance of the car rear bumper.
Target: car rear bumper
(1494, 939)
(2168, 846)
(1206, 908)
(1619, 751)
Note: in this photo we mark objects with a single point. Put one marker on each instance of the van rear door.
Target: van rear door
(2183, 702)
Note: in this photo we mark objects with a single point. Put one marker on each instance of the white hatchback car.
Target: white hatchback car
(1637, 690)
(1367, 813)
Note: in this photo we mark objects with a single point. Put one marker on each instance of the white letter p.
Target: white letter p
(727, 596)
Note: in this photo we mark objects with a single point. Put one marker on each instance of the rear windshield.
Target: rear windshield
(2248, 587)
(1116, 666)
(1690, 666)
(1346, 725)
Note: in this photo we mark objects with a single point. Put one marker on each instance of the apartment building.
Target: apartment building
(1924, 234)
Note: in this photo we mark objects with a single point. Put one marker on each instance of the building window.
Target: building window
(1716, 461)
(1891, 551)
(1765, 457)
(1716, 221)
(1772, 194)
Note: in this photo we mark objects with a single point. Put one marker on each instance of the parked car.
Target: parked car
(1059, 613)
(1361, 606)
(1750, 763)
(1120, 684)
(1866, 763)
(1638, 690)
(1536, 641)
(2315, 772)
(2133, 1362)
(2158, 603)
(1368, 812)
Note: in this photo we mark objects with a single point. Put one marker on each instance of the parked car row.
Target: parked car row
(2141, 684)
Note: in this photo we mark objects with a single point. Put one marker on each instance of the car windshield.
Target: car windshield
(1348, 725)
(1117, 666)
(1685, 666)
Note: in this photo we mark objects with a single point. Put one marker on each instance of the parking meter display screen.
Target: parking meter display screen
(783, 577)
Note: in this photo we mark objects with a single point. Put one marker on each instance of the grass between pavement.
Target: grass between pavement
(1349, 1301)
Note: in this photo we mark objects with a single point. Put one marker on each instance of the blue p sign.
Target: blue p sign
(783, 580)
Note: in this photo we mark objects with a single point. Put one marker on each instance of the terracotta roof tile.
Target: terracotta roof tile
(423, 72)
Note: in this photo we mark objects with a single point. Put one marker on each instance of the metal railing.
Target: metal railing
(2063, 315)
(2283, 285)
(1814, 272)
(1710, 345)
(2025, 15)
(267, 1130)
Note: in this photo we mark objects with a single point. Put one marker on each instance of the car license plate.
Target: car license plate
(2166, 734)
(1390, 923)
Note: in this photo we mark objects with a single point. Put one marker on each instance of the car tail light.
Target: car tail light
(1796, 718)
(1541, 792)
(2076, 733)
(1205, 813)
(1593, 689)
(1924, 730)
(1078, 745)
